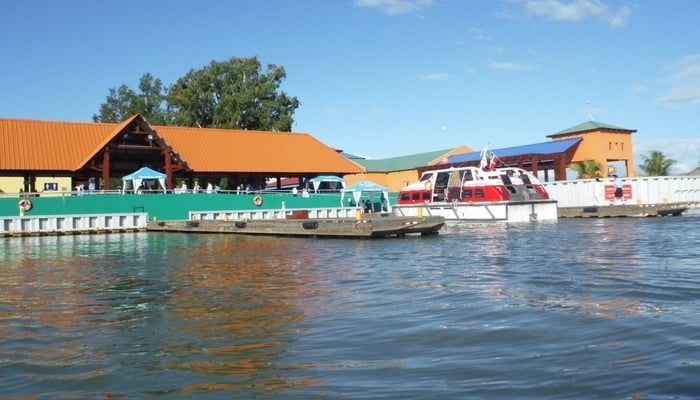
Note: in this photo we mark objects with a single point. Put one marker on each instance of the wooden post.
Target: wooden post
(105, 169)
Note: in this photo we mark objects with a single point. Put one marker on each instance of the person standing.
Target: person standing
(618, 190)
(598, 192)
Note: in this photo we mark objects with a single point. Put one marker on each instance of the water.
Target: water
(596, 309)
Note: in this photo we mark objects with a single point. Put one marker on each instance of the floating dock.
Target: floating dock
(369, 226)
(624, 210)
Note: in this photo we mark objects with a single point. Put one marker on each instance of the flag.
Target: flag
(494, 160)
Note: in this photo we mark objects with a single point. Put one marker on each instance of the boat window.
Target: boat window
(426, 196)
(426, 177)
(467, 194)
(479, 193)
(509, 184)
(415, 196)
(405, 196)
(467, 175)
(442, 180)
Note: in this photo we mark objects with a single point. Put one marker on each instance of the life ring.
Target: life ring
(25, 205)
(257, 200)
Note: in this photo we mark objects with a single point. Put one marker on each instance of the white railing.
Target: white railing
(314, 213)
(65, 224)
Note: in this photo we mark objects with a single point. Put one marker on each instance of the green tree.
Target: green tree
(125, 102)
(656, 164)
(233, 94)
(586, 168)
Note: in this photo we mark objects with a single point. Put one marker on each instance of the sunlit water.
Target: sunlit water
(579, 308)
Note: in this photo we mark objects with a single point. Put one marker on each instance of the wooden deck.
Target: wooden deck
(370, 226)
(624, 210)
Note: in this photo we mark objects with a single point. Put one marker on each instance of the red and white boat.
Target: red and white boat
(506, 194)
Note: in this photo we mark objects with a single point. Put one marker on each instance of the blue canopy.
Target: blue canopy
(368, 187)
(136, 178)
(336, 181)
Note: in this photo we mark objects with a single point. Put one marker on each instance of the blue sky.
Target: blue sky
(383, 78)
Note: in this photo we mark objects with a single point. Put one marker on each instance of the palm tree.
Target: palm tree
(656, 164)
(586, 169)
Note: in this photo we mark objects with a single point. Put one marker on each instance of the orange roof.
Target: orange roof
(68, 146)
(50, 145)
(213, 150)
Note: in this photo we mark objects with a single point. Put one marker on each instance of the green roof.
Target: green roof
(590, 126)
(401, 163)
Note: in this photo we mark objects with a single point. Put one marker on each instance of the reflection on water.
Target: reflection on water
(571, 309)
(99, 304)
(236, 306)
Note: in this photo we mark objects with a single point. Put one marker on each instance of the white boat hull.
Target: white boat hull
(524, 211)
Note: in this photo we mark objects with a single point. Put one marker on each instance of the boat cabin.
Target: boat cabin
(472, 184)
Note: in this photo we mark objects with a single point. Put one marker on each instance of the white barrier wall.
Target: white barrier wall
(57, 224)
(645, 190)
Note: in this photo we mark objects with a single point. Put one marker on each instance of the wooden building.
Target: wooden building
(53, 156)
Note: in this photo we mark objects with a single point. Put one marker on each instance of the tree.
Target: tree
(586, 168)
(125, 102)
(656, 164)
(233, 94)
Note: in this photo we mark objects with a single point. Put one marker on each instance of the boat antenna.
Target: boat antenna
(483, 155)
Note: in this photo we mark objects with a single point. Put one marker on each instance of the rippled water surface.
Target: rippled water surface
(599, 308)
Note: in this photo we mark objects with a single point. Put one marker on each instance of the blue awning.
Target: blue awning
(544, 148)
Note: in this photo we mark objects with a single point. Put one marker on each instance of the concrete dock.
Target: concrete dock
(624, 210)
(369, 226)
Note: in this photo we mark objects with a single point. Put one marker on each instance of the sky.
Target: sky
(383, 78)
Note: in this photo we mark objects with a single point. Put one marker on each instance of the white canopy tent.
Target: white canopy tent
(134, 180)
(334, 182)
(368, 187)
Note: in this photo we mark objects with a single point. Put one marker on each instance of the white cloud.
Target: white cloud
(509, 65)
(574, 11)
(620, 18)
(639, 88)
(577, 10)
(333, 110)
(438, 76)
(395, 7)
(479, 34)
(683, 82)
(592, 111)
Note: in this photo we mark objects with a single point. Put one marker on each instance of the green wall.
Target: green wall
(164, 206)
